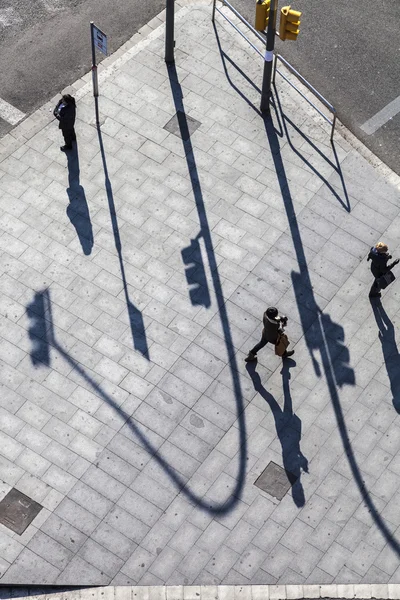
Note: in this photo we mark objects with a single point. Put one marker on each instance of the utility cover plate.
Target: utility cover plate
(17, 511)
(182, 125)
(275, 480)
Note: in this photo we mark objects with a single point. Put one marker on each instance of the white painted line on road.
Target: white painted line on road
(382, 117)
(9, 113)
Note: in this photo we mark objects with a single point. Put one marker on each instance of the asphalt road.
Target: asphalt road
(349, 51)
(45, 44)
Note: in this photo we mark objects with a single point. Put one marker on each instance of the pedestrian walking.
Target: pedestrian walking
(273, 332)
(379, 257)
(65, 112)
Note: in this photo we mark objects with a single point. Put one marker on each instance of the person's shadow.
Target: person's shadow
(390, 351)
(288, 428)
(78, 210)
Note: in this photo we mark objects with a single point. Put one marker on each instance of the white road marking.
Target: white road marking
(382, 117)
(9, 113)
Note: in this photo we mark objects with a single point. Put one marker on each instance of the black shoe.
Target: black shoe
(65, 148)
(287, 354)
(250, 357)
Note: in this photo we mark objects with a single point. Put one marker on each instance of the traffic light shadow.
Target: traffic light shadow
(288, 428)
(135, 316)
(78, 209)
(40, 329)
(324, 339)
(43, 333)
(195, 274)
(212, 267)
(389, 349)
(283, 120)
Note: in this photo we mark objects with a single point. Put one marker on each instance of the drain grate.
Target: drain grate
(17, 511)
(182, 125)
(275, 480)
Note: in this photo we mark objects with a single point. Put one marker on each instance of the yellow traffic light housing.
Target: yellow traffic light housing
(289, 23)
(262, 14)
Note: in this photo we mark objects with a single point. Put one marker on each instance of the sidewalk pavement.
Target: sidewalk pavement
(134, 276)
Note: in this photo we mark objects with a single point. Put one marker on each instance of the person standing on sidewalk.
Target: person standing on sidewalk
(273, 330)
(65, 112)
(379, 257)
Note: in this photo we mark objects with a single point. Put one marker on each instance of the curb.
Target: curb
(220, 592)
(33, 123)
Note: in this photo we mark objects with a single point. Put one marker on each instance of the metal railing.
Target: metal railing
(304, 81)
(239, 16)
(308, 85)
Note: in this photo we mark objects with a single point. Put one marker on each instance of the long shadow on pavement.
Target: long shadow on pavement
(41, 348)
(284, 130)
(288, 428)
(78, 209)
(324, 338)
(134, 314)
(389, 349)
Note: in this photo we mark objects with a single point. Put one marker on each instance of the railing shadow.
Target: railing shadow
(390, 351)
(134, 314)
(288, 429)
(335, 165)
(78, 209)
(283, 128)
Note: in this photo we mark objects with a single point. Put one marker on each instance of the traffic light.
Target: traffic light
(262, 14)
(289, 24)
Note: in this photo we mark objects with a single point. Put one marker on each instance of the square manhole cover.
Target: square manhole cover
(182, 125)
(275, 480)
(17, 511)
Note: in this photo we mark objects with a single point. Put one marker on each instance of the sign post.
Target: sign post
(99, 41)
(169, 32)
(268, 59)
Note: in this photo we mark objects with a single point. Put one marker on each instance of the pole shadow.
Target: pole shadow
(135, 316)
(205, 235)
(78, 209)
(43, 314)
(324, 339)
(390, 351)
(288, 429)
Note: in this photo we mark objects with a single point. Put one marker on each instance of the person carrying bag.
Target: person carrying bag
(379, 257)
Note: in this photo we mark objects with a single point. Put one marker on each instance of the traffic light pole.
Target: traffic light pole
(266, 92)
(169, 32)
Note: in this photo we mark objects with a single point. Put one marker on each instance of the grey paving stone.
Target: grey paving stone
(101, 558)
(78, 517)
(114, 541)
(79, 570)
(29, 566)
(50, 550)
(139, 507)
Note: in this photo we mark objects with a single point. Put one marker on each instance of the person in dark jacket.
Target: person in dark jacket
(65, 112)
(379, 257)
(273, 326)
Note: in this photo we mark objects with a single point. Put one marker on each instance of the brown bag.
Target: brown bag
(281, 344)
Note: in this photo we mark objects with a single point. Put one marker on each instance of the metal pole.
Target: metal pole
(213, 11)
(268, 59)
(169, 32)
(94, 66)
